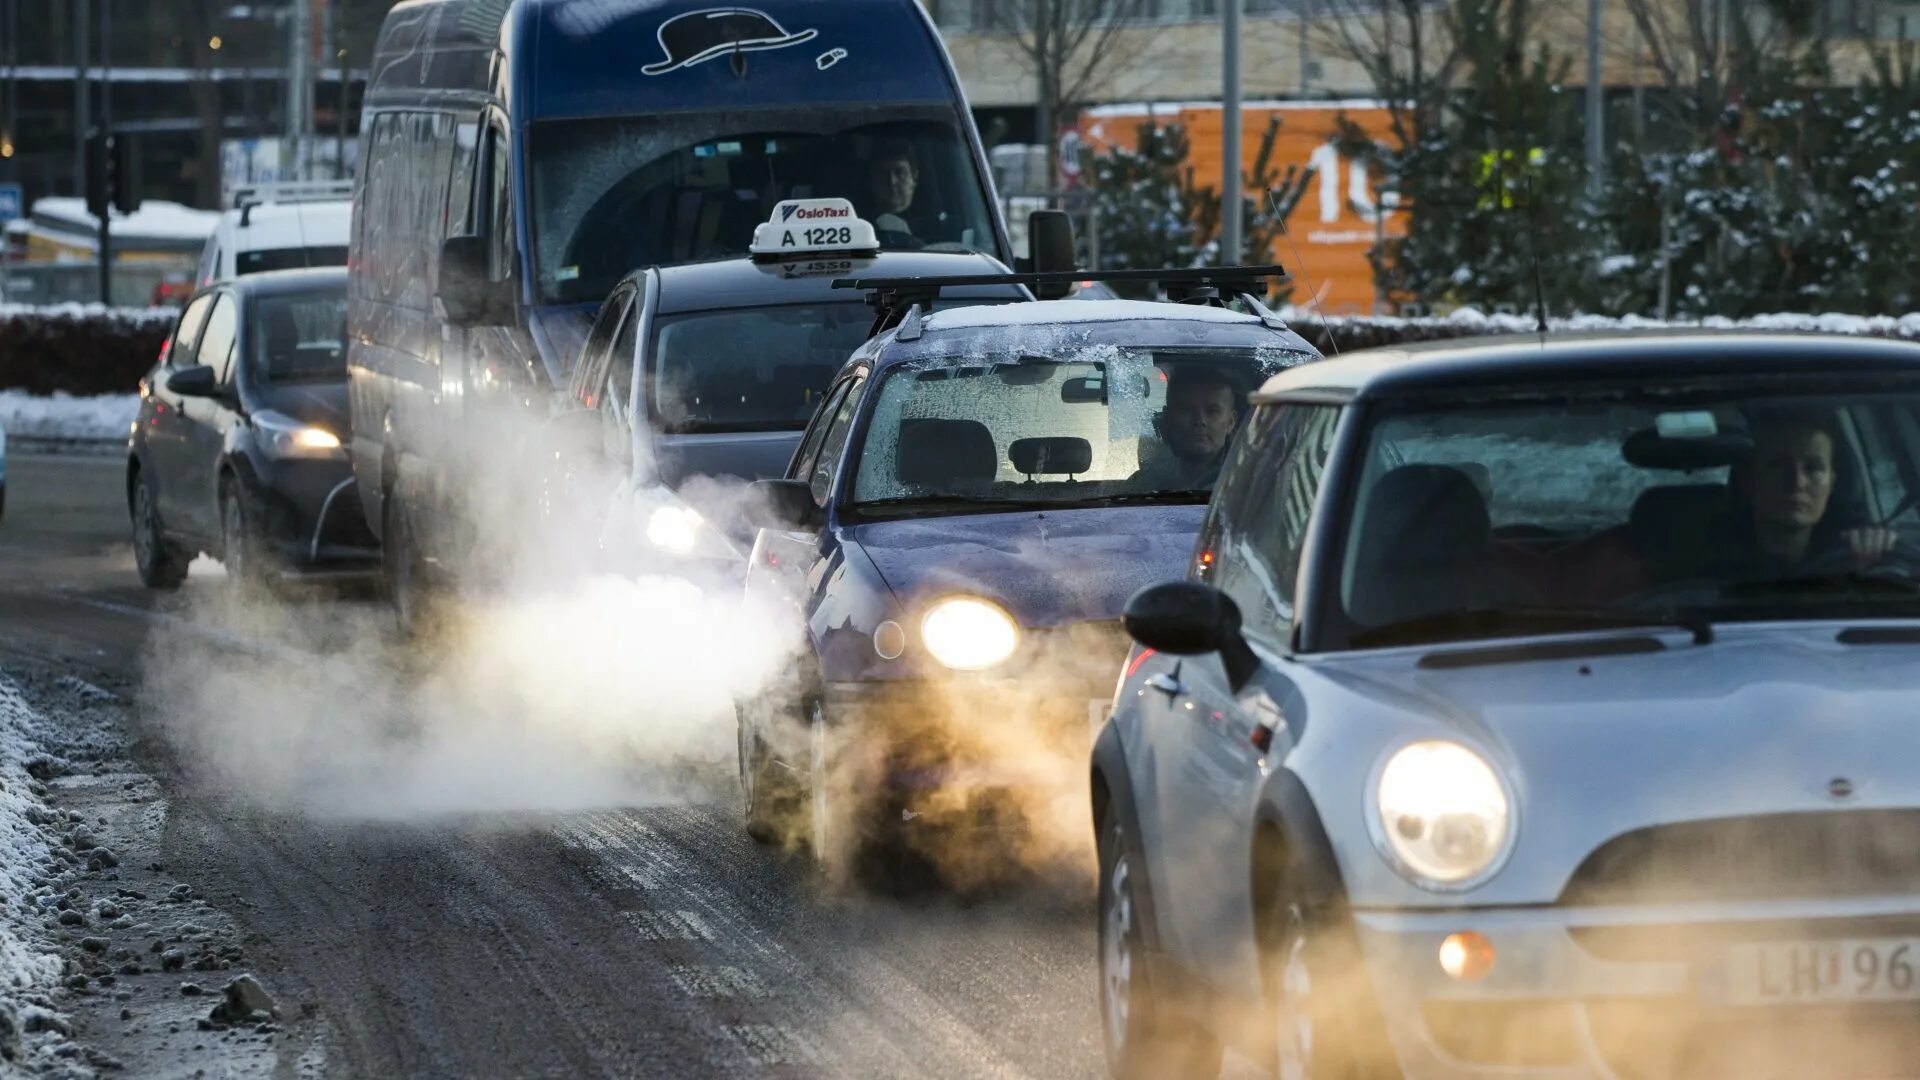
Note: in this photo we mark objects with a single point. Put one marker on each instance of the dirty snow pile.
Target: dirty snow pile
(29, 969)
(63, 417)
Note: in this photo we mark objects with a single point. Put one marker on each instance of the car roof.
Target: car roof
(1126, 323)
(294, 224)
(275, 282)
(1516, 359)
(742, 282)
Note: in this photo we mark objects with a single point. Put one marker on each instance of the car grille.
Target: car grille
(1777, 856)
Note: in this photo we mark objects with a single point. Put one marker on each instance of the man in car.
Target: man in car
(893, 177)
(1202, 413)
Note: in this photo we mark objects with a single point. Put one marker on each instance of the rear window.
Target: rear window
(299, 337)
(293, 258)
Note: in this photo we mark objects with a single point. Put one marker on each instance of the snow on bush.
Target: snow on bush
(28, 966)
(61, 416)
(79, 348)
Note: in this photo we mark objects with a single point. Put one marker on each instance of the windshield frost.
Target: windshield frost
(1080, 425)
(1481, 522)
(610, 195)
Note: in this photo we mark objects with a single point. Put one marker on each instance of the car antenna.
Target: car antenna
(1274, 201)
(1533, 249)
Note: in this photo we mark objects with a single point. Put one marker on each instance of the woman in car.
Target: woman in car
(1786, 522)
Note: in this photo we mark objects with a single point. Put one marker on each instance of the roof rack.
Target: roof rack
(248, 196)
(893, 299)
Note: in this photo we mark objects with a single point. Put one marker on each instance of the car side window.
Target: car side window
(589, 378)
(620, 365)
(832, 443)
(1258, 550)
(499, 204)
(802, 465)
(186, 336)
(217, 340)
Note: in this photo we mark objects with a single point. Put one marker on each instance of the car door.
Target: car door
(207, 419)
(1211, 766)
(164, 419)
(793, 562)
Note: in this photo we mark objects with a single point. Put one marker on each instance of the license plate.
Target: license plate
(1860, 969)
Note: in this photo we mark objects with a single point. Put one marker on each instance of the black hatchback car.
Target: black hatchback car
(240, 446)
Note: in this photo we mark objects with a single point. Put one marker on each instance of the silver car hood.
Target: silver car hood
(1761, 721)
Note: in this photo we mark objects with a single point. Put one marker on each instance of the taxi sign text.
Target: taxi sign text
(813, 226)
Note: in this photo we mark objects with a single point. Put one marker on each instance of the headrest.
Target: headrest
(933, 451)
(1060, 454)
(1426, 514)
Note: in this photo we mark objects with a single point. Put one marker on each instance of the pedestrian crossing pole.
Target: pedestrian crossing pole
(1230, 246)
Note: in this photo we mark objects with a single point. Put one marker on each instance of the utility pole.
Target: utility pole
(299, 85)
(106, 149)
(81, 127)
(1596, 120)
(1230, 134)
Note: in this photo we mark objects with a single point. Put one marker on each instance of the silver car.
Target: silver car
(1533, 709)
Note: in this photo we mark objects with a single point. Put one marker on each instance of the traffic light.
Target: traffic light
(112, 174)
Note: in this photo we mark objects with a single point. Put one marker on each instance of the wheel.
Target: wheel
(1327, 1023)
(244, 549)
(416, 608)
(161, 562)
(1144, 1037)
(770, 802)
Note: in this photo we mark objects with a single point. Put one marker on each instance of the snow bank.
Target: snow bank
(101, 418)
(28, 966)
(143, 317)
(1471, 319)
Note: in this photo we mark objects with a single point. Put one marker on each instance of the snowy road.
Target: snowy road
(613, 942)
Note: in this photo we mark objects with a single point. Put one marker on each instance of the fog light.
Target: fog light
(1466, 955)
(889, 640)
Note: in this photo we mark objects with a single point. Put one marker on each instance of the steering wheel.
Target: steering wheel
(1900, 563)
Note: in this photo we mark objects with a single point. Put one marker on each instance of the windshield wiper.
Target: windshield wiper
(972, 502)
(1449, 626)
(1823, 585)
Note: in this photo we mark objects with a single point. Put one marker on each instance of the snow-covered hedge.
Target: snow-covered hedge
(79, 348)
(1361, 332)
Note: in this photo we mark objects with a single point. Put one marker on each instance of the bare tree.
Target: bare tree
(1070, 47)
(1709, 54)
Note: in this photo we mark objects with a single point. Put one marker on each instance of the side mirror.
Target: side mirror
(466, 292)
(1050, 250)
(783, 504)
(1186, 618)
(196, 381)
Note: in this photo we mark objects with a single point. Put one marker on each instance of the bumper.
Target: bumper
(311, 515)
(1629, 991)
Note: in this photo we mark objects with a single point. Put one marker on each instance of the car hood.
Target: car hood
(1760, 722)
(1046, 568)
(320, 403)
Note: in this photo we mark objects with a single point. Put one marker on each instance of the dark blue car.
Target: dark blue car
(976, 497)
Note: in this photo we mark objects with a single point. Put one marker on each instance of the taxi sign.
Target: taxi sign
(811, 227)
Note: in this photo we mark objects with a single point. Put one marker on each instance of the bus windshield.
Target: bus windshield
(610, 195)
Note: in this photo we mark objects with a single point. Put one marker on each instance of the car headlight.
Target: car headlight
(968, 633)
(674, 528)
(1445, 820)
(287, 437)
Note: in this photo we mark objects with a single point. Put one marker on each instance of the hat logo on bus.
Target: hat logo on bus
(694, 37)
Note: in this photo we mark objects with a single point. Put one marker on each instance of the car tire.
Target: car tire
(161, 562)
(242, 546)
(770, 800)
(1327, 1023)
(417, 607)
(1143, 1036)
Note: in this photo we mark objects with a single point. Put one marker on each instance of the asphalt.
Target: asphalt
(618, 942)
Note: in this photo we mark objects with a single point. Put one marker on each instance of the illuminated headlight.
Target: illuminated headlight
(287, 437)
(674, 528)
(968, 633)
(1445, 820)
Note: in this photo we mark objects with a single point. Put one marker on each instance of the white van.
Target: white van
(280, 227)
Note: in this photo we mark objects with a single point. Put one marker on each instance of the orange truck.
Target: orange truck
(1339, 219)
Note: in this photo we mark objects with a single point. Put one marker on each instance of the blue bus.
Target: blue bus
(520, 157)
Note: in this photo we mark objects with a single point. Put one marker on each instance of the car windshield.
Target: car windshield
(293, 258)
(299, 337)
(1648, 507)
(613, 194)
(1092, 425)
(749, 369)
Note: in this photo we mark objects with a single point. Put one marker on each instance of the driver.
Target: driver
(893, 177)
(1786, 524)
(1202, 413)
